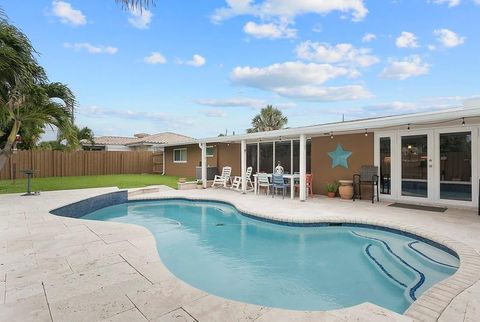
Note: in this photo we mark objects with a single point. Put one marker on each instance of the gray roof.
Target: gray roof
(159, 138)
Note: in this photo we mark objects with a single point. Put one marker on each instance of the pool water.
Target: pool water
(213, 247)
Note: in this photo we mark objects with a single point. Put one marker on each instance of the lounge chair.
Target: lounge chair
(278, 182)
(263, 182)
(237, 181)
(223, 179)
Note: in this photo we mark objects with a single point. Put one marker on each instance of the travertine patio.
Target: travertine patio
(64, 269)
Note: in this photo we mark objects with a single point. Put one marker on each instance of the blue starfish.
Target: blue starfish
(339, 157)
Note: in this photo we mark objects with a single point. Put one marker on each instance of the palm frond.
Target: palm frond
(136, 4)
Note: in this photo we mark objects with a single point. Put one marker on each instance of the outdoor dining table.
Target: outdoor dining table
(290, 177)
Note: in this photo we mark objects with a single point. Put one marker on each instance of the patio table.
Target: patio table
(289, 177)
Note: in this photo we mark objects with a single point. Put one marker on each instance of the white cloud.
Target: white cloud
(155, 58)
(269, 30)
(288, 10)
(68, 14)
(405, 68)
(329, 93)
(340, 53)
(286, 74)
(196, 61)
(214, 112)
(368, 37)
(91, 49)
(407, 40)
(299, 80)
(450, 3)
(140, 18)
(231, 102)
(241, 102)
(449, 38)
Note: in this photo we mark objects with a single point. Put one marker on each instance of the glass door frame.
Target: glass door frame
(433, 172)
(430, 166)
(393, 161)
(474, 163)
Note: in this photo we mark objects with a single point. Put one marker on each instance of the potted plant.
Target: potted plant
(199, 184)
(332, 188)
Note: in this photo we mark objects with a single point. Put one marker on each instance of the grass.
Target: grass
(65, 183)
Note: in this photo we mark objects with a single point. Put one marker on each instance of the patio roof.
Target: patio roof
(384, 122)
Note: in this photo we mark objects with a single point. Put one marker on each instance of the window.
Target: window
(180, 155)
(266, 157)
(252, 157)
(210, 151)
(283, 155)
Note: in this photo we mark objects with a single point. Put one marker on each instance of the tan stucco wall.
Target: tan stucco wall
(359, 144)
(229, 155)
(194, 156)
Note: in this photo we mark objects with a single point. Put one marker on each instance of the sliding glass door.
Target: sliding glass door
(455, 166)
(415, 165)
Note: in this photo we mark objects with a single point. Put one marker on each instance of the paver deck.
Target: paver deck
(63, 269)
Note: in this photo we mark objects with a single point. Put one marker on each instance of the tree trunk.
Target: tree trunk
(5, 153)
(7, 150)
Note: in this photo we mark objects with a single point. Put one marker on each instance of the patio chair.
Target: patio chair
(237, 181)
(263, 182)
(223, 179)
(278, 182)
(308, 182)
(368, 176)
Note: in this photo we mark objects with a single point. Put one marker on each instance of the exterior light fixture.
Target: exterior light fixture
(463, 121)
(331, 135)
(408, 127)
(366, 133)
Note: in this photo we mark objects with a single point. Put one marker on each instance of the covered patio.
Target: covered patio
(416, 158)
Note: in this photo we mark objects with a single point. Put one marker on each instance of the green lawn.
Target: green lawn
(64, 183)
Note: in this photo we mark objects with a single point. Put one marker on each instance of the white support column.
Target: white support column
(303, 167)
(243, 152)
(203, 146)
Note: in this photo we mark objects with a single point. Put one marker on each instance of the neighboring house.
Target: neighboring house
(428, 158)
(139, 142)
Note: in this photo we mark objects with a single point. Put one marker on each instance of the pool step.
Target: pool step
(429, 254)
(393, 265)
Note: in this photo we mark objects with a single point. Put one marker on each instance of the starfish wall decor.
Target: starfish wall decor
(339, 157)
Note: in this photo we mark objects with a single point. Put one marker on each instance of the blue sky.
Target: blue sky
(201, 67)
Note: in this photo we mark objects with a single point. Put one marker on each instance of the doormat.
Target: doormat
(417, 207)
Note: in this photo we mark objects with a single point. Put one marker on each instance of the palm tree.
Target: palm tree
(269, 119)
(82, 134)
(141, 4)
(27, 100)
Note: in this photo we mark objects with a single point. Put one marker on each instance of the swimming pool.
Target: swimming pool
(213, 247)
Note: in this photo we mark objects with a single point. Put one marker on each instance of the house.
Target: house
(426, 158)
(139, 142)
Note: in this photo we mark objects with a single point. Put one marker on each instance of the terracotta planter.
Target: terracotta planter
(182, 180)
(346, 189)
(331, 194)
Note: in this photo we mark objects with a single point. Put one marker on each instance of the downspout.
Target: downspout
(163, 164)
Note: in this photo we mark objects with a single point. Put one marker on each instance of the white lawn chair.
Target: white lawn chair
(237, 181)
(223, 179)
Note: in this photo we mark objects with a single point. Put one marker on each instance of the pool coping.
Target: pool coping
(428, 307)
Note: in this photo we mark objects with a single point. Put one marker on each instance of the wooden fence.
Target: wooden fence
(78, 163)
